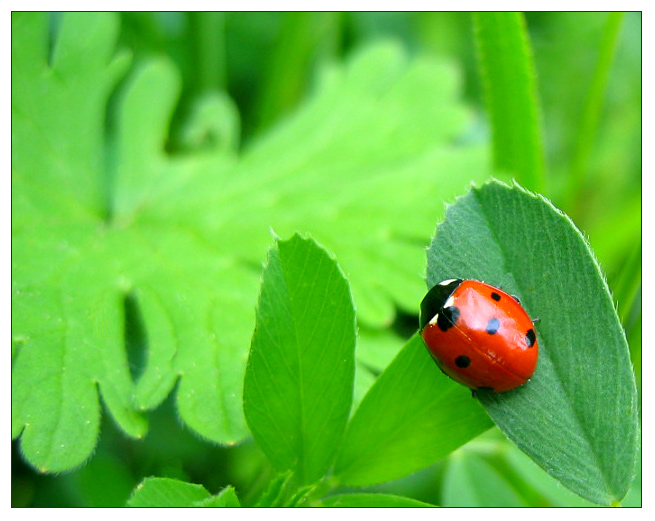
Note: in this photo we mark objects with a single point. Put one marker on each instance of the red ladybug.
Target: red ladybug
(479, 335)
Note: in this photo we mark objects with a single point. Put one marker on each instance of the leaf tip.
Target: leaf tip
(274, 234)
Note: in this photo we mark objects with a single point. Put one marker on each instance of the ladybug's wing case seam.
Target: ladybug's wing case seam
(484, 353)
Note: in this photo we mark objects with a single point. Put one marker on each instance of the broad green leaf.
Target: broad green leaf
(368, 500)
(412, 417)
(167, 492)
(100, 220)
(577, 417)
(69, 319)
(509, 82)
(299, 380)
(356, 205)
(470, 481)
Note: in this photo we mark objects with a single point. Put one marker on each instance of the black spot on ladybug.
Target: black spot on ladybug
(492, 326)
(530, 337)
(462, 361)
(495, 296)
(448, 318)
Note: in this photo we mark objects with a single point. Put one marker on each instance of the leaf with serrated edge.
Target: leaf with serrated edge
(226, 498)
(181, 235)
(577, 416)
(167, 492)
(299, 381)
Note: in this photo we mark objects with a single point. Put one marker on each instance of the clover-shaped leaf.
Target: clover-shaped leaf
(578, 416)
(299, 382)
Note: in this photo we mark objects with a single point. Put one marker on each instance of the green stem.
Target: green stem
(509, 82)
(209, 37)
(304, 40)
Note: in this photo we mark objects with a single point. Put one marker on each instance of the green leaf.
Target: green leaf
(301, 496)
(72, 271)
(225, 498)
(104, 218)
(412, 417)
(273, 494)
(470, 481)
(510, 89)
(167, 492)
(367, 500)
(577, 417)
(299, 381)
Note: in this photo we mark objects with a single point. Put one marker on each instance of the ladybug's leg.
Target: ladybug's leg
(535, 320)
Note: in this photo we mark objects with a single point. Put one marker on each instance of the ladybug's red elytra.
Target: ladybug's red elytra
(479, 335)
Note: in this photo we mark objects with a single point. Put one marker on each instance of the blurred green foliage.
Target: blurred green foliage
(267, 63)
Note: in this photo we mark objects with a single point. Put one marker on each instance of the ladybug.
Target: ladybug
(479, 335)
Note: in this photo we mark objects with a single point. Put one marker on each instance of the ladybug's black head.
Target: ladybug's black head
(435, 299)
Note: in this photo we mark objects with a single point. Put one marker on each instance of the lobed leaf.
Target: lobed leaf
(99, 220)
(299, 380)
(577, 416)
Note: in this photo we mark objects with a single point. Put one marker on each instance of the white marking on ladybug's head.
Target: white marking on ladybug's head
(446, 282)
(449, 302)
(434, 319)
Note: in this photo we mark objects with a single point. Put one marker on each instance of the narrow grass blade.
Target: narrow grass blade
(510, 89)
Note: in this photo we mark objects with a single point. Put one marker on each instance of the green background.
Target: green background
(269, 64)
